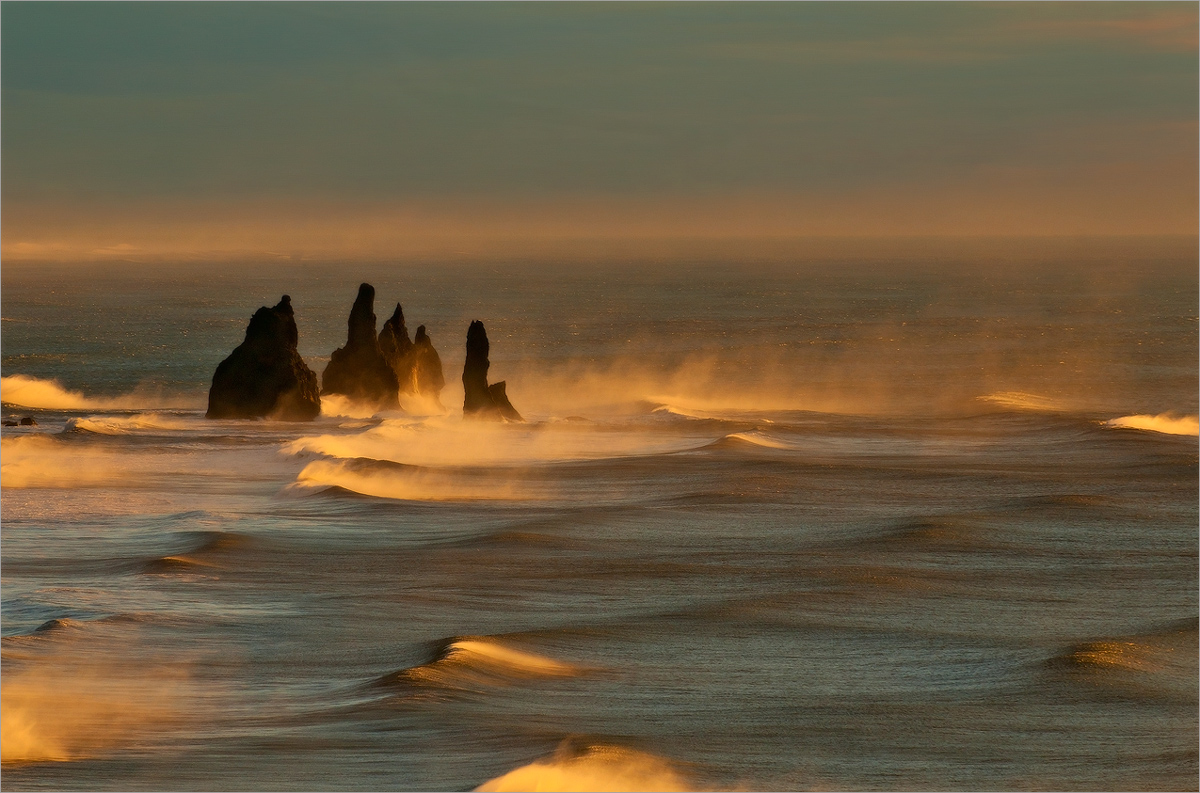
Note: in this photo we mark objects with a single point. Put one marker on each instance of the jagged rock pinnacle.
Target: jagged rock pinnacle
(265, 375)
(479, 399)
(359, 369)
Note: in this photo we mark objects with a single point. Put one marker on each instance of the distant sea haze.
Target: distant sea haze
(845, 522)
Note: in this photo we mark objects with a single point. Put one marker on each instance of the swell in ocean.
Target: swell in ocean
(697, 565)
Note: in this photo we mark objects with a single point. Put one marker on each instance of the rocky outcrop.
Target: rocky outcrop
(416, 363)
(397, 350)
(359, 370)
(427, 366)
(265, 375)
(479, 399)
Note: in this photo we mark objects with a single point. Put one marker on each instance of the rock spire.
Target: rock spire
(265, 377)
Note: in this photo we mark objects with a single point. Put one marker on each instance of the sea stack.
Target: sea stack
(265, 377)
(416, 363)
(479, 399)
(397, 349)
(427, 366)
(359, 370)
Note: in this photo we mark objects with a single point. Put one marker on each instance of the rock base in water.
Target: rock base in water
(479, 399)
(265, 377)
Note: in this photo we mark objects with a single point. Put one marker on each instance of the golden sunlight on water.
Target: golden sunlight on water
(58, 709)
(765, 529)
(412, 484)
(595, 768)
(1186, 425)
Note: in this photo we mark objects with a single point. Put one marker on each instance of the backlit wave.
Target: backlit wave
(475, 661)
(60, 704)
(756, 438)
(42, 461)
(32, 392)
(1164, 423)
(445, 442)
(594, 768)
(1020, 400)
(117, 425)
(412, 484)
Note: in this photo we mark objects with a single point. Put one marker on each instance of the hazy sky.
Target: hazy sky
(343, 127)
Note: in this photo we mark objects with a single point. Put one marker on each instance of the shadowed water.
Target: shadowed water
(867, 526)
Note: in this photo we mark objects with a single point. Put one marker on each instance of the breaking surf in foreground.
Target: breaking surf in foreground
(795, 530)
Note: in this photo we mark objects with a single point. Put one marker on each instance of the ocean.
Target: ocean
(858, 522)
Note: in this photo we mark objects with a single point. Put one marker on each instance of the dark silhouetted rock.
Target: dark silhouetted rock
(417, 365)
(265, 376)
(10, 423)
(479, 399)
(359, 369)
(427, 366)
(29, 421)
(497, 392)
(397, 350)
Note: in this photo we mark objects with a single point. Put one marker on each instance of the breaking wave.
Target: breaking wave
(42, 461)
(32, 392)
(439, 442)
(57, 705)
(592, 768)
(58, 461)
(410, 484)
(114, 425)
(470, 661)
(756, 438)
(1163, 422)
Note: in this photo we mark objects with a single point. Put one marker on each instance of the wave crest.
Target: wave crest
(1163, 422)
(405, 483)
(33, 392)
(468, 661)
(756, 438)
(115, 425)
(439, 442)
(594, 767)
(1022, 400)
